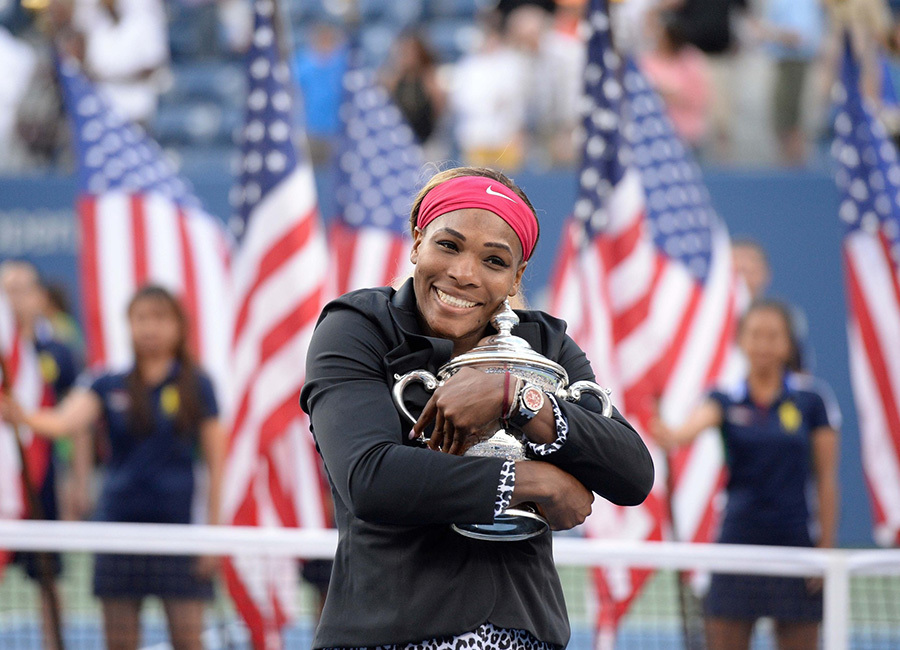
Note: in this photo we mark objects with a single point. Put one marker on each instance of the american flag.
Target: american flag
(646, 245)
(280, 278)
(378, 163)
(21, 362)
(868, 178)
(141, 223)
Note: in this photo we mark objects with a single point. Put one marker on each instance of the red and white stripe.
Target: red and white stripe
(873, 330)
(130, 240)
(659, 340)
(21, 362)
(281, 283)
(368, 257)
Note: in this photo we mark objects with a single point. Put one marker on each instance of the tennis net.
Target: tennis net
(860, 589)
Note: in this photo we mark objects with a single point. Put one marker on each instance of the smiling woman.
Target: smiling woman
(395, 500)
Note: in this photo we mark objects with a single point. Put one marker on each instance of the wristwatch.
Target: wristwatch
(529, 401)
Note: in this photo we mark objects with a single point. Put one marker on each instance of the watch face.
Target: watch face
(533, 399)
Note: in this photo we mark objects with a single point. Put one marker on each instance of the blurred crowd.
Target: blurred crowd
(745, 81)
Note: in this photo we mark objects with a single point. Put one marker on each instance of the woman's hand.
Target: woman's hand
(10, 409)
(662, 434)
(563, 500)
(463, 410)
(707, 414)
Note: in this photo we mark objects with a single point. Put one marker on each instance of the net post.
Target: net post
(836, 620)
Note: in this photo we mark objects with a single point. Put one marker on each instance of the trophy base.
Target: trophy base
(512, 525)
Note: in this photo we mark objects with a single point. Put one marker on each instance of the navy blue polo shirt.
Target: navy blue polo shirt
(769, 458)
(149, 477)
(58, 366)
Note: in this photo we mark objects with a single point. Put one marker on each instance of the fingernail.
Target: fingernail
(412, 434)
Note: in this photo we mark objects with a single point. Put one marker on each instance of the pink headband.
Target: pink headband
(480, 192)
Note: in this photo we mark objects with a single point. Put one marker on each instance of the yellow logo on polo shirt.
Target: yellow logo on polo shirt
(49, 367)
(170, 400)
(790, 417)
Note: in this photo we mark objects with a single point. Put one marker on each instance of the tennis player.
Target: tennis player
(402, 578)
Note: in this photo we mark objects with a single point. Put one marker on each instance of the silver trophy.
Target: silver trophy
(496, 354)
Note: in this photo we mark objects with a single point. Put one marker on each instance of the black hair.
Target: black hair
(794, 361)
(189, 413)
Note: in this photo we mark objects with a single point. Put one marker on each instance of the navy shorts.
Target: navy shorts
(749, 597)
(744, 597)
(137, 576)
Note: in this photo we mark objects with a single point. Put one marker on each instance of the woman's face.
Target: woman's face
(467, 262)
(155, 329)
(765, 340)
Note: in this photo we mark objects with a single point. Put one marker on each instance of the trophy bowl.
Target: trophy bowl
(500, 353)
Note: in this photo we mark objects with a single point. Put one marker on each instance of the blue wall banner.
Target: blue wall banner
(793, 214)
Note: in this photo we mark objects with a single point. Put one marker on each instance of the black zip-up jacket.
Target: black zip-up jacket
(400, 573)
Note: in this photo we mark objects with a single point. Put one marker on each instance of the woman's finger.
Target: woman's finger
(450, 434)
(439, 432)
(427, 416)
(462, 442)
(458, 444)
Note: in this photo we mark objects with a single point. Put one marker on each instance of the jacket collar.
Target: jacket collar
(404, 312)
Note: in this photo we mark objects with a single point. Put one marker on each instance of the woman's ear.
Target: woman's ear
(417, 241)
(518, 281)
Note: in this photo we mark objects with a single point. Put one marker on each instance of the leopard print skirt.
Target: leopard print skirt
(486, 637)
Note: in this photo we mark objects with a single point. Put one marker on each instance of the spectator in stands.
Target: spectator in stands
(236, 23)
(679, 73)
(793, 31)
(890, 84)
(123, 46)
(488, 96)
(707, 24)
(411, 78)
(20, 282)
(506, 7)
(780, 435)
(553, 64)
(19, 60)
(32, 124)
(751, 263)
(869, 24)
(630, 23)
(158, 415)
(319, 69)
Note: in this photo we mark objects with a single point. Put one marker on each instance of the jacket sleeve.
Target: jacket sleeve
(360, 437)
(606, 454)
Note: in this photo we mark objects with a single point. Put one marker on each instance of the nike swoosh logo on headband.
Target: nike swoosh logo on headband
(493, 193)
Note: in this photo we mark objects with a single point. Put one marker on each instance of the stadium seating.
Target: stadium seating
(204, 104)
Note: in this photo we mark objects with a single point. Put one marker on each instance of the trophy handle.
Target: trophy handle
(575, 391)
(423, 376)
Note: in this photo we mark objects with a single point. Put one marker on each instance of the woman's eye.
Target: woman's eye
(497, 261)
(449, 245)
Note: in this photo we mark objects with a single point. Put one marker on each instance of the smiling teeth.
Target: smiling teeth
(454, 302)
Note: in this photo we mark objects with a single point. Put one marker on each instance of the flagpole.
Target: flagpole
(45, 572)
(681, 576)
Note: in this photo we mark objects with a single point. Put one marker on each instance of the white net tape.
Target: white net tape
(847, 574)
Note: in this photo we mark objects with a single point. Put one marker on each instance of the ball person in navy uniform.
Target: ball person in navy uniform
(159, 416)
(59, 367)
(402, 577)
(779, 429)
